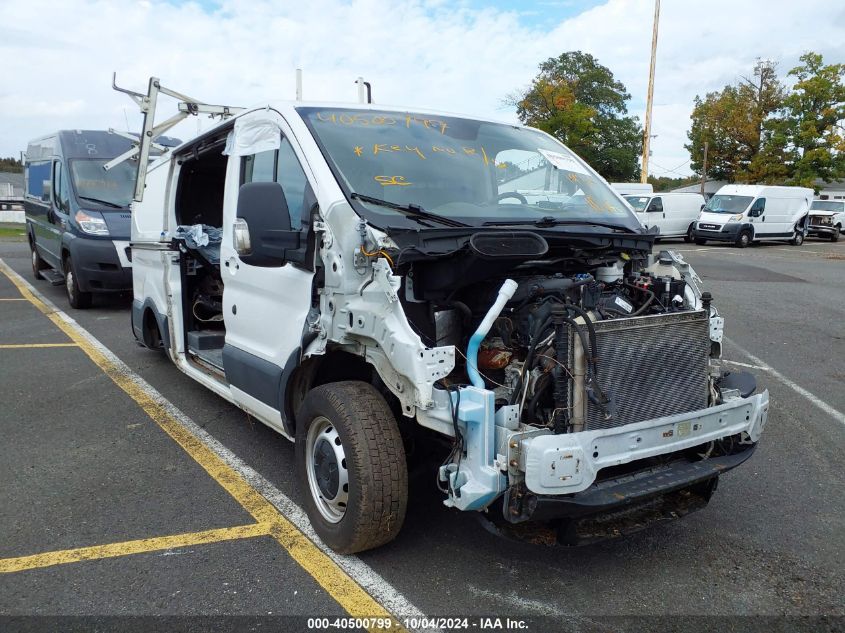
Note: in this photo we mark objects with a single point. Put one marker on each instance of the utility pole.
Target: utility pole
(764, 68)
(704, 167)
(647, 129)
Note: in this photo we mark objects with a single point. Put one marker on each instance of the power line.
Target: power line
(673, 171)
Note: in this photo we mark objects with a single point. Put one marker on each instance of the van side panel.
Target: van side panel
(148, 216)
(149, 271)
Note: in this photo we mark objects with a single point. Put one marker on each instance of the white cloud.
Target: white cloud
(432, 54)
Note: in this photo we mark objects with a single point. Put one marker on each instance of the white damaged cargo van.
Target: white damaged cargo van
(743, 214)
(354, 276)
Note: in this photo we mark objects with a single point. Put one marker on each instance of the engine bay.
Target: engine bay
(546, 351)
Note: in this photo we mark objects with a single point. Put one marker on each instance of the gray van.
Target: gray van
(77, 212)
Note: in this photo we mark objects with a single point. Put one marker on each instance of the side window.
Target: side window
(259, 167)
(37, 176)
(758, 207)
(281, 166)
(289, 174)
(60, 188)
(656, 204)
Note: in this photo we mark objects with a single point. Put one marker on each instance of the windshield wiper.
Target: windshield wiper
(549, 221)
(105, 202)
(411, 210)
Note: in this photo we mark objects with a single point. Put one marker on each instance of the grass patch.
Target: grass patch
(13, 232)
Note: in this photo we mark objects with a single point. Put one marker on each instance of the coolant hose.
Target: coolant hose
(505, 294)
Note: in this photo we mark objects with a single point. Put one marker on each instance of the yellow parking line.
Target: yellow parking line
(336, 582)
(26, 345)
(141, 546)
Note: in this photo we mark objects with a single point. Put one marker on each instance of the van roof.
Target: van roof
(758, 190)
(82, 144)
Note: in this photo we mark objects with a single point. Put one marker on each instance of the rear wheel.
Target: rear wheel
(77, 299)
(744, 238)
(797, 238)
(38, 264)
(351, 467)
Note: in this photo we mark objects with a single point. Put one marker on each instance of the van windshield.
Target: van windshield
(638, 202)
(471, 171)
(827, 205)
(114, 188)
(728, 204)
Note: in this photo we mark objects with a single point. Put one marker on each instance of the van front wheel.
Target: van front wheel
(77, 299)
(744, 238)
(350, 463)
(689, 237)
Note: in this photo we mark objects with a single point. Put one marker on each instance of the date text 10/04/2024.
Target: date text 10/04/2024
(423, 623)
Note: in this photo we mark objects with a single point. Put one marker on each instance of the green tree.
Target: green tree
(577, 100)
(810, 132)
(11, 165)
(667, 183)
(735, 124)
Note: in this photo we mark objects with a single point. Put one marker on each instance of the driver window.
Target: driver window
(759, 206)
(656, 204)
(281, 166)
(60, 190)
(259, 167)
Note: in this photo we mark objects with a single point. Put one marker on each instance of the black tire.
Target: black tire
(38, 264)
(688, 237)
(373, 462)
(77, 299)
(797, 238)
(834, 237)
(743, 239)
(700, 242)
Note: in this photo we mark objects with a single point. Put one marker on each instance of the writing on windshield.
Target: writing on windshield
(114, 187)
(464, 169)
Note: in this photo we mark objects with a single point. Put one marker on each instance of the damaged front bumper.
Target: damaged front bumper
(544, 475)
(569, 463)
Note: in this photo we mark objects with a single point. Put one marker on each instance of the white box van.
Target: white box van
(362, 278)
(827, 218)
(633, 188)
(751, 213)
(673, 213)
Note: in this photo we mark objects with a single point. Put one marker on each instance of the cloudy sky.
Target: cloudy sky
(460, 56)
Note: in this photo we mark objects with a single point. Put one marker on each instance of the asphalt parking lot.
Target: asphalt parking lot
(129, 489)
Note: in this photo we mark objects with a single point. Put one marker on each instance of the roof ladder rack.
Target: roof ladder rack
(188, 106)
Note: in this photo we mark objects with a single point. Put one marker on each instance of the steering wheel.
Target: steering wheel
(511, 194)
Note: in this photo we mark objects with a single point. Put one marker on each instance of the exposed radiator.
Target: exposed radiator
(653, 366)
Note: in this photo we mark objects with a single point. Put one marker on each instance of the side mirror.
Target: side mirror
(262, 232)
